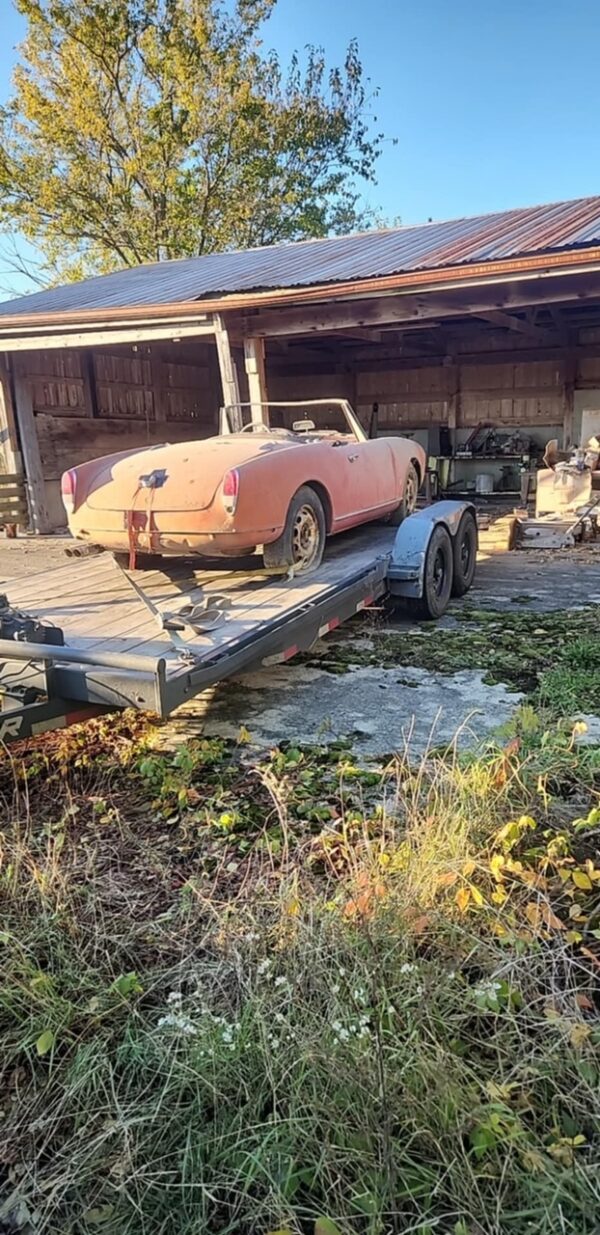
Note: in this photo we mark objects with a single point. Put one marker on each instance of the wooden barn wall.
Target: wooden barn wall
(88, 404)
(310, 383)
(463, 395)
(495, 376)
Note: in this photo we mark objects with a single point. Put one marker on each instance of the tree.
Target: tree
(140, 130)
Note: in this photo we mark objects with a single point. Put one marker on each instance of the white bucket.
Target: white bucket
(484, 483)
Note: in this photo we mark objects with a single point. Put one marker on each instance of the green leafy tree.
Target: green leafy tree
(140, 130)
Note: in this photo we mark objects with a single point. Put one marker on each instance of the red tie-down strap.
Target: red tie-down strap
(137, 521)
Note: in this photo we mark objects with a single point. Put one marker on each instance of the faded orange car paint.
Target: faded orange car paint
(184, 511)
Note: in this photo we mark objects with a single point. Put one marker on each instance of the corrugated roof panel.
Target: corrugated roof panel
(456, 242)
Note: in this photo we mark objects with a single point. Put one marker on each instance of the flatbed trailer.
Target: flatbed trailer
(154, 639)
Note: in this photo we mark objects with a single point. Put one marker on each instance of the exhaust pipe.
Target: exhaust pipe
(84, 550)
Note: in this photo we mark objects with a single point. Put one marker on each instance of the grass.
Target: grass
(293, 993)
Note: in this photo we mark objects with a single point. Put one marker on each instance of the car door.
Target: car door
(366, 477)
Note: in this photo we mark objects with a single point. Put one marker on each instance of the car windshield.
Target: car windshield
(301, 419)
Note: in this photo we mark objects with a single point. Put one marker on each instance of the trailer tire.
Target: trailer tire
(437, 577)
(302, 542)
(465, 554)
(409, 498)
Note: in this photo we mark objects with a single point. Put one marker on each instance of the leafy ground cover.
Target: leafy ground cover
(288, 992)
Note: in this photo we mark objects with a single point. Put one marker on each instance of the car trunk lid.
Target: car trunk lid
(184, 476)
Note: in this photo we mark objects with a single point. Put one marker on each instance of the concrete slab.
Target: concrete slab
(536, 580)
(381, 710)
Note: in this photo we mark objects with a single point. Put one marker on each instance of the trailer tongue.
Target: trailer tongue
(155, 640)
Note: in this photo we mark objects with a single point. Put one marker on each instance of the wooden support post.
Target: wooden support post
(254, 360)
(9, 436)
(569, 370)
(30, 447)
(229, 377)
(453, 399)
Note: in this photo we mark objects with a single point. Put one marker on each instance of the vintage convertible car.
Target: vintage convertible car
(255, 485)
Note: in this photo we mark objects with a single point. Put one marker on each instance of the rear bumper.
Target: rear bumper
(206, 544)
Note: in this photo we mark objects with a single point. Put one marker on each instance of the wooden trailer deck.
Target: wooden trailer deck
(99, 611)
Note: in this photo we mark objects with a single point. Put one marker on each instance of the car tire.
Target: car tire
(465, 554)
(302, 542)
(409, 497)
(437, 578)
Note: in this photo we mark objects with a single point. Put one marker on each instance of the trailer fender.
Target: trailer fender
(407, 561)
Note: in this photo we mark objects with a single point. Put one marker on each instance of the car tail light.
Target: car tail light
(230, 490)
(68, 486)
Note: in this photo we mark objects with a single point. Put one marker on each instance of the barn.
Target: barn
(478, 336)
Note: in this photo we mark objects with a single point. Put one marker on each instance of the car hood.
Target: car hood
(185, 476)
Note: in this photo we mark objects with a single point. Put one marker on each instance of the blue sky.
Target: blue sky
(492, 104)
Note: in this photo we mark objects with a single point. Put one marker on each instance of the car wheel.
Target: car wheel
(302, 541)
(437, 577)
(409, 497)
(465, 554)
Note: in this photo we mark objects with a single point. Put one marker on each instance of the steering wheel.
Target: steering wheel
(257, 427)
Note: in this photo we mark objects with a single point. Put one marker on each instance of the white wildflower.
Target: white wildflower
(263, 967)
(178, 1021)
(335, 990)
(281, 981)
(408, 968)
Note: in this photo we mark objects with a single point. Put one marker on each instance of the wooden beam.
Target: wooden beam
(407, 308)
(227, 366)
(9, 434)
(349, 333)
(101, 338)
(506, 320)
(254, 362)
(30, 447)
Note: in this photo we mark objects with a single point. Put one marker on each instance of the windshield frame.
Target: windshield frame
(230, 414)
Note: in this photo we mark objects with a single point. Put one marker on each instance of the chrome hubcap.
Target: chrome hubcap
(305, 539)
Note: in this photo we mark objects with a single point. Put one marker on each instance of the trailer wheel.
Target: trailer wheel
(302, 542)
(465, 554)
(409, 498)
(437, 577)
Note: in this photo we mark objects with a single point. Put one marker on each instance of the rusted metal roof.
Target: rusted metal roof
(510, 234)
